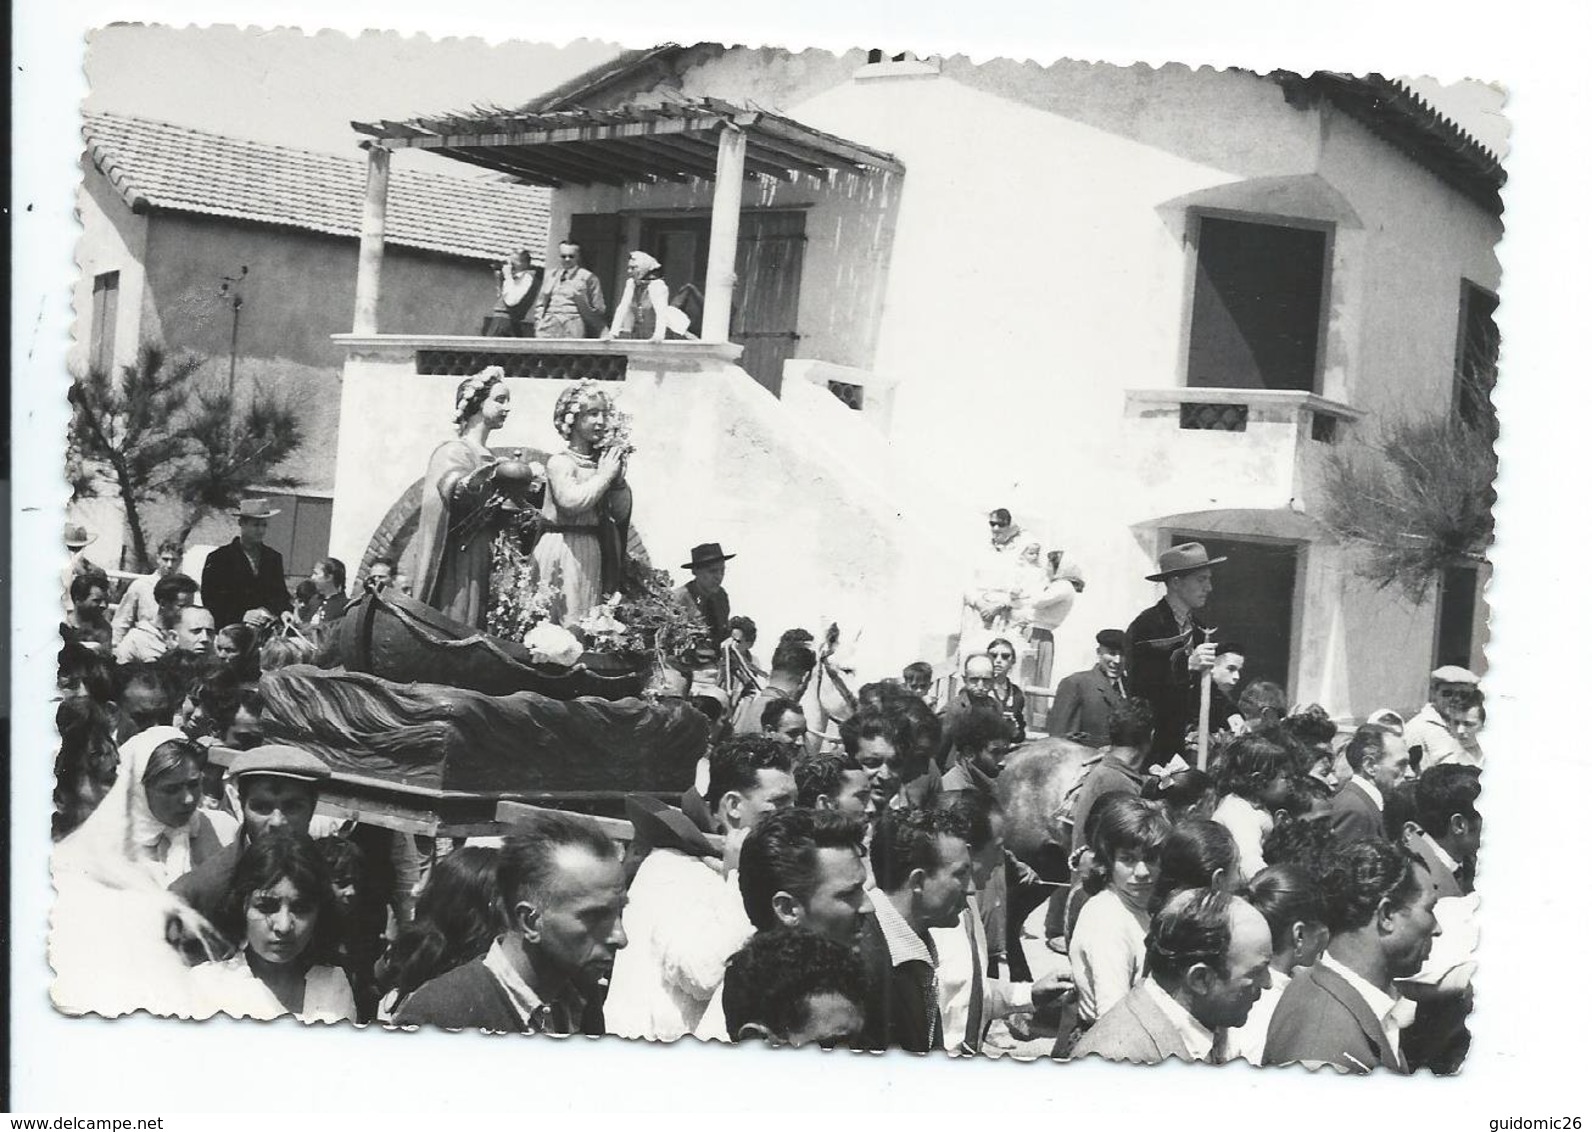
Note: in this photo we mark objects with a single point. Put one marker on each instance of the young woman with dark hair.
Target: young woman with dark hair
(282, 916)
(457, 916)
(1107, 943)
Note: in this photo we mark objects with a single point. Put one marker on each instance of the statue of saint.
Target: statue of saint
(460, 512)
(586, 506)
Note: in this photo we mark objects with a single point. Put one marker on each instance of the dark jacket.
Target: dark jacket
(468, 997)
(1135, 1030)
(1354, 816)
(714, 609)
(1082, 708)
(1157, 657)
(230, 587)
(1320, 1018)
(897, 1013)
(205, 886)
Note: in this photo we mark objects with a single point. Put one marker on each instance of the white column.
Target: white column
(372, 238)
(723, 234)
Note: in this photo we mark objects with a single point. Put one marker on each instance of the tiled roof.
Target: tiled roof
(156, 166)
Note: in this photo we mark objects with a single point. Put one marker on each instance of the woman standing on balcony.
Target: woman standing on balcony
(585, 510)
(453, 544)
(643, 308)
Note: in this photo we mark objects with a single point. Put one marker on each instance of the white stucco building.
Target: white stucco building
(1132, 305)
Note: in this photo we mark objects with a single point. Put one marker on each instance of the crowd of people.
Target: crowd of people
(1140, 871)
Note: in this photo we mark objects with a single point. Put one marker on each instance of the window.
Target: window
(102, 330)
(1257, 312)
(1456, 616)
(1476, 358)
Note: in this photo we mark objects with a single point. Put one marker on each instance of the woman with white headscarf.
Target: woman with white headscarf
(150, 820)
(110, 880)
(643, 308)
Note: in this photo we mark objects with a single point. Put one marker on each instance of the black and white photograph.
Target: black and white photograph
(801, 552)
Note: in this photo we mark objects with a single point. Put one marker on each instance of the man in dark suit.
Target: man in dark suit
(244, 580)
(562, 887)
(1380, 762)
(1085, 700)
(1346, 1010)
(1207, 960)
(924, 871)
(1168, 646)
(1445, 805)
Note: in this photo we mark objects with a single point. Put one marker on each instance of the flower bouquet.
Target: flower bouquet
(519, 601)
(645, 623)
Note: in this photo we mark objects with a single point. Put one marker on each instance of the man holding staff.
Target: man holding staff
(1169, 649)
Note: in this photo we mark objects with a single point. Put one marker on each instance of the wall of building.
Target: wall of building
(112, 239)
(299, 290)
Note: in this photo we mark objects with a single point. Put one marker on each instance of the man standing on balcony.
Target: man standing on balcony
(571, 301)
(1167, 649)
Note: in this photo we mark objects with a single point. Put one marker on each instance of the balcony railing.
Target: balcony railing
(557, 359)
(1237, 447)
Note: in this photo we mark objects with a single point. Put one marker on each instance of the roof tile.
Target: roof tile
(156, 165)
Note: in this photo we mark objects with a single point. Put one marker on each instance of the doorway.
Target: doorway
(1253, 601)
(768, 274)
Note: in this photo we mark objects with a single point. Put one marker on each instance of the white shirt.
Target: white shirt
(1394, 1012)
(1428, 730)
(1196, 1038)
(1107, 952)
(229, 987)
(1249, 825)
(142, 642)
(137, 607)
(957, 962)
(684, 921)
(1249, 1040)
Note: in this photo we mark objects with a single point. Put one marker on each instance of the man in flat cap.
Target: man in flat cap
(1168, 646)
(278, 788)
(1085, 700)
(704, 595)
(244, 580)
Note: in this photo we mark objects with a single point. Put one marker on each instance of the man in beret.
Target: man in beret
(278, 788)
(1085, 700)
(1167, 646)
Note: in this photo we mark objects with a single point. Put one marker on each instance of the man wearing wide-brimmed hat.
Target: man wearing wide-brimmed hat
(1167, 647)
(244, 580)
(704, 594)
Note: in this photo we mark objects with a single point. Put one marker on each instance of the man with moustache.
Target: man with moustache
(1379, 762)
(562, 888)
(1167, 649)
(1346, 1011)
(1081, 710)
(1207, 960)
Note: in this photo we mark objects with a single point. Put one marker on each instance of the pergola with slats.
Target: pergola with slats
(702, 138)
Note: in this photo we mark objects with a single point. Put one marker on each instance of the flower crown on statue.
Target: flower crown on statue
(573, 402)
(473, 391)
(587, 395)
